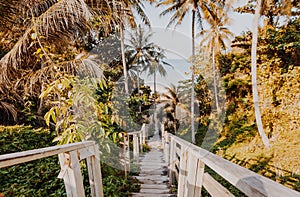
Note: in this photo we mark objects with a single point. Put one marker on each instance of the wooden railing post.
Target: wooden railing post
(183, 170)
(72, 174)
(69, 159)
(167, 149)
(64, 161)
(195, 176)
(141, 140)
(172, 162)
(135, 147)
(163, 140)
(126, 154)
(94, 170)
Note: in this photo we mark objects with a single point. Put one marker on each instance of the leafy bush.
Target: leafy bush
(39, 177)
(36, 178)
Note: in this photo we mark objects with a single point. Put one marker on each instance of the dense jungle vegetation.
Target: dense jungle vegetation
(59, 55)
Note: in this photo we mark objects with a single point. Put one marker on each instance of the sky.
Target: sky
(179, 39)
(177, 42)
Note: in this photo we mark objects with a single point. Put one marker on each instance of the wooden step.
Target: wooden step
(153, 175)
(153, 186)
(152, 195)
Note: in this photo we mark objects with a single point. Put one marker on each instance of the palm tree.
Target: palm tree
(124, 10)
(43, 31)
(180, 9)
(254, 75)
(157, 64)
(140, 49)
(215, 37)
(173, 99)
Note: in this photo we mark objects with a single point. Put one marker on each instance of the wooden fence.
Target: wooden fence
(69, 157)
(186, 164)
(138, 139)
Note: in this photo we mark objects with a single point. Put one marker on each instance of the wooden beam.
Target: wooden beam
(172, 162)
(75, 175)
(95, 176)
(248, 182)
(183, 170)
(26, 156)
(195, 176)
(135, 147)
(214, 188)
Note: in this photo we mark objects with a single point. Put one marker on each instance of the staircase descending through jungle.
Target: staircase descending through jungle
(171, 160)
(154, 170)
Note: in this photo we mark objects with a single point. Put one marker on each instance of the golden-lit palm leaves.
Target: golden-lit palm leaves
(174, 105)
(174, 98)
(181, 8)
(140, 47)
(273, 9)
(216, 35)
(41, 43)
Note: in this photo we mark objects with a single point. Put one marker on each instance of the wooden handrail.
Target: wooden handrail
(69, 157)
(30, 155)
(191, 157)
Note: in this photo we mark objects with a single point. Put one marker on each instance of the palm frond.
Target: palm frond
(9, 109)
(62, 21)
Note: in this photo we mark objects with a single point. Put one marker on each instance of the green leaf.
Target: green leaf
(47, 118)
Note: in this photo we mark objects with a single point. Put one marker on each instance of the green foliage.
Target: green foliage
(278, 83)
(139, 105)
(73, 108)
(36, 178)
(119, 186)
(282, 45)
(39, 178)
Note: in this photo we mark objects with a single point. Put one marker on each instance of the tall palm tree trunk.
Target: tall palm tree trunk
(254, 79)
(155, 112)
(138, 87)
(124, 60)
(193, 78)
(215, 79)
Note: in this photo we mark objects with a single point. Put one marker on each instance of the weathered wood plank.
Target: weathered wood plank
(64, 160)
(199, 177)
(135, 147)
(86, 152)
(214, 188)
(26, 156)
(172, 162)
(182, 180)
(97, 172)
(177, 151)
(195, 176)
(75, 176)
(248, 182)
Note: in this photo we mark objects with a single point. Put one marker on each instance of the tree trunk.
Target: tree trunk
(138, 87)
(215, 78)
(124, 60)
(155, 113)
(254, 79)
(193, 78)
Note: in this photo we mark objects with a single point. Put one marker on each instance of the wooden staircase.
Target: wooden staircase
(154, 170)
(182, 161)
